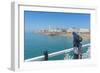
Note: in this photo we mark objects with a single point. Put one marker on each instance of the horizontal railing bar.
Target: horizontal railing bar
(53, 54)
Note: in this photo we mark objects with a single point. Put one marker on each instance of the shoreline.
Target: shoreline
(84, 35)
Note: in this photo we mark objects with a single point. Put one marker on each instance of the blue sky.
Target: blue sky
(37, 20)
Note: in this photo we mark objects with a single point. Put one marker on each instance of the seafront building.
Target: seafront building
(67, 30)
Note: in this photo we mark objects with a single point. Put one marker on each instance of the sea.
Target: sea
(35, 44)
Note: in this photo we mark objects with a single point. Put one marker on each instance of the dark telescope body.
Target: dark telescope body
(45, 55)
(76, 39)
(77, 43)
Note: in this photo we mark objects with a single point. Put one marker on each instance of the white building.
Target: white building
(84, 30)
(78, 30)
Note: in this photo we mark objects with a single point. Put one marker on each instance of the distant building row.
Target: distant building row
(66, 30)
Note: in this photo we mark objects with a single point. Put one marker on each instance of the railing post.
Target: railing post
(45, 55)
(80, 51)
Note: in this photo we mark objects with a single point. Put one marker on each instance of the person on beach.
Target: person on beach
(77, 46)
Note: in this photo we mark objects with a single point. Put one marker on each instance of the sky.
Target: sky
(35, 20)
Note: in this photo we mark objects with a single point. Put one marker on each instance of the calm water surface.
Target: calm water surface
(35, 44)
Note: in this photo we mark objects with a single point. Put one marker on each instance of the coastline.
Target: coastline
(84, 35)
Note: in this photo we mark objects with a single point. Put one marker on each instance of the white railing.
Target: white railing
(41, 58)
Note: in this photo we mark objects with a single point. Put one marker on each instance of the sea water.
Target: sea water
(35, 44)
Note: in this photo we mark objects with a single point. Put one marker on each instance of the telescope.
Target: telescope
(77, 39)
